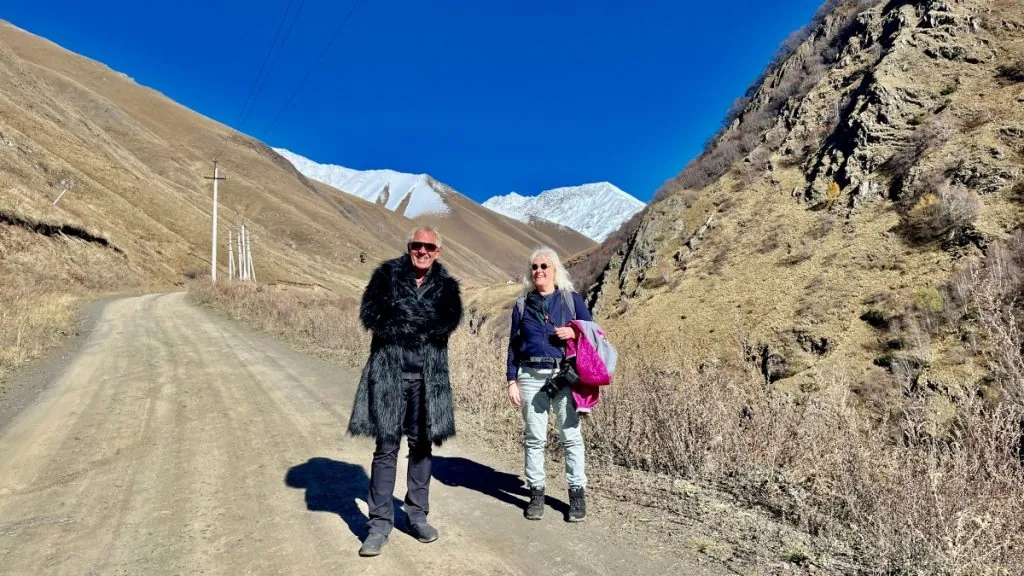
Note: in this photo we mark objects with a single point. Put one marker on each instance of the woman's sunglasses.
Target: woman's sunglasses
(428, 246)
(543, 266)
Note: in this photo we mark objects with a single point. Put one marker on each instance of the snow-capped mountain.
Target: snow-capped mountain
(594, 210)
(415, 194)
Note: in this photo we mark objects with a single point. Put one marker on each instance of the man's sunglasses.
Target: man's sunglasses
(543, 266)
(428, 246)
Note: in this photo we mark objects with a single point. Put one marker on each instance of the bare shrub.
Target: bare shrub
(904, 502)
(916, 505)
(802, 252)
(477, 365)
(771, 242)
(689, 197)
(719, 260)
(993, 291)
(1017, 192)
(1012, 72)
(656, 280)
(939, 214)
(930, 135)
(325, 325)
(977, 119)
(823, 226)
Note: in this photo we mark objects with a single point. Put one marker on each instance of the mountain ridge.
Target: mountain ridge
(595, 209)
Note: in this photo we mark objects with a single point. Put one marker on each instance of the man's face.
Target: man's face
(423, 250)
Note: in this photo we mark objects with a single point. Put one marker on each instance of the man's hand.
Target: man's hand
(565, 333)
(513, 393)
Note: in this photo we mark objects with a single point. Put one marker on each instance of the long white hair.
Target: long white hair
(562, 280)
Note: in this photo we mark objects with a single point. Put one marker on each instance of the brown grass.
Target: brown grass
(42, 281)
(324, 325)
(31, 323)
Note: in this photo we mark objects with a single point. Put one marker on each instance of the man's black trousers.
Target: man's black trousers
(385, 464)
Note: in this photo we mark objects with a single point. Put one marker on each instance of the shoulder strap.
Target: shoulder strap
(570, 301)
(567, 296)
(521, 307)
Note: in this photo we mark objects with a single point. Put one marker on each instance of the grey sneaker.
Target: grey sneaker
(423, 532)
(373, 544)
(535, 509)
(577, 505)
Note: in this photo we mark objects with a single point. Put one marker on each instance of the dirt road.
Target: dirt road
(176, 442)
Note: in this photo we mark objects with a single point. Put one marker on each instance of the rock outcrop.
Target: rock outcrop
(799, 211)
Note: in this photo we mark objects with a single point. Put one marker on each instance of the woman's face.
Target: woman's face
(543, 273)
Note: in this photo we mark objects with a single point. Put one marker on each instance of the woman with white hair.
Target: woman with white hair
(536, 351)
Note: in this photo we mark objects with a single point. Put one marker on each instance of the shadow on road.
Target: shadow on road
(507, 488)
(333, 486)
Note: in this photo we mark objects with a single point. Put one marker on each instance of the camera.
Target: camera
(566, 376)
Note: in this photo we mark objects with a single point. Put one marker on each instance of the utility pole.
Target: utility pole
(213, 242)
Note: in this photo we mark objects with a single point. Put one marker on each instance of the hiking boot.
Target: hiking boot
(373, 543)
(535, 509)
(423, 532)
(577, 505)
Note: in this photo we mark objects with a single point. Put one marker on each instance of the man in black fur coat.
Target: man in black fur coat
(411, 305)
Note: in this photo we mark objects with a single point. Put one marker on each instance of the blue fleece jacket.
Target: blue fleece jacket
(533, 337)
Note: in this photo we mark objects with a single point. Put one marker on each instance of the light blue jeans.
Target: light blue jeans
(536, 405)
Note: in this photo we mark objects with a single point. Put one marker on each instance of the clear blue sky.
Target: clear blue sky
(489, 97)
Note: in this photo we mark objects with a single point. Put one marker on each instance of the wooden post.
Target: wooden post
(213, 235)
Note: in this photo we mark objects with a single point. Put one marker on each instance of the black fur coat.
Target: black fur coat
(397, 318)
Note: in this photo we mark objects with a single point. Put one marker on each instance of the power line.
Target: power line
(256, 82)
(266, 58)
(273, 61)
(311, 68)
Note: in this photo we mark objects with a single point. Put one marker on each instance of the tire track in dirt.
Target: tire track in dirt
(177, 442)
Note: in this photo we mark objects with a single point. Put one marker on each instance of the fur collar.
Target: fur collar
(395, 310)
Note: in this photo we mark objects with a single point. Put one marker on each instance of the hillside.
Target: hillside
(128, 166)
(133, 163)
(831, 221)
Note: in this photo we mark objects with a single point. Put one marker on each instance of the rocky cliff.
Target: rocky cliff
(826, 225)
